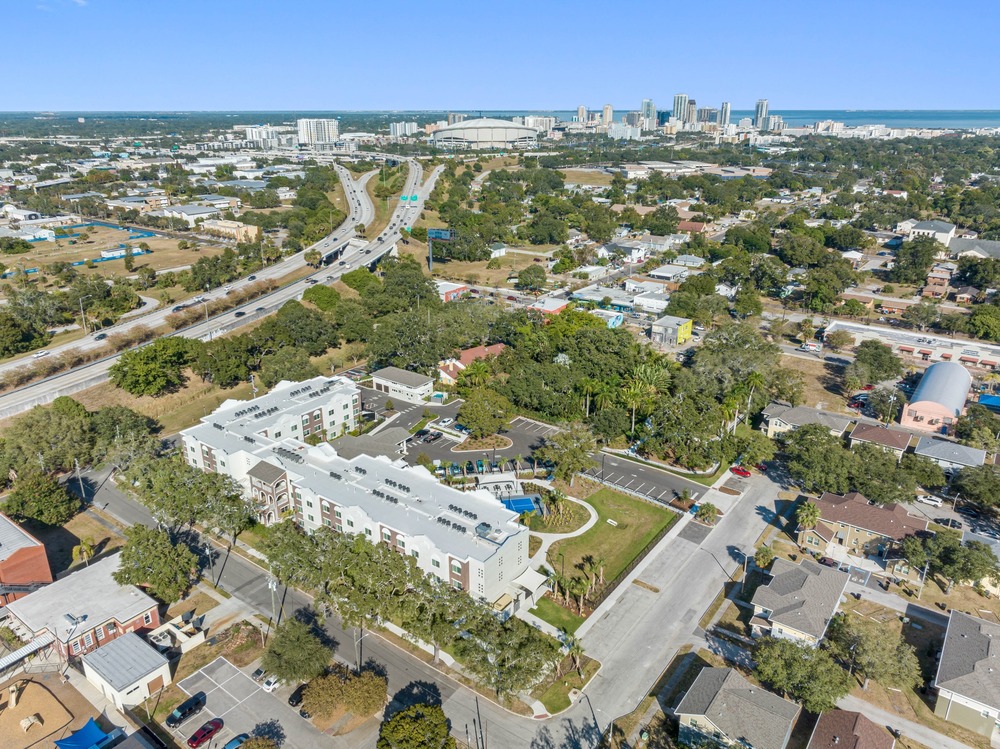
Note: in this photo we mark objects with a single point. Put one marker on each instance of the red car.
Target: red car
(762, 467)
(206, 732)
(740, 471)
(868, 387)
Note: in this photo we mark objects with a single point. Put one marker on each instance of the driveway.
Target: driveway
(246, 708)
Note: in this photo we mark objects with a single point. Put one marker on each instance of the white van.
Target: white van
(929, 499)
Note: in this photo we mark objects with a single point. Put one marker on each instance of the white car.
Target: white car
(271, 684)
(446, 422)
(39, 354)
(929, 499)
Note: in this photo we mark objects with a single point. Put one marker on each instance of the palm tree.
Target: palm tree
(634, 397)
(588, 387)
(578, 588)
(599, 563)
(590, 568)
(754, 381)
(604, 396)
(476, 374)
(575, 651)
(84, 551)
(807, 514)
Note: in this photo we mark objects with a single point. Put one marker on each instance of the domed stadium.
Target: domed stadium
(485, 133)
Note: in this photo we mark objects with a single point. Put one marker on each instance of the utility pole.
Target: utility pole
(83, 316)
(79, 478)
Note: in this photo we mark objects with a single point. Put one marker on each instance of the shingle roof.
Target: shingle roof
(892, 521)
(266, 472)
(740, 709)
(987, 247)
(946, 383)
(882, 435)
(934, 225)
(951, 452)
(802, 596)
(402, 377)
(970, 659)
(800, 415)
(125, 660)
(844, 729)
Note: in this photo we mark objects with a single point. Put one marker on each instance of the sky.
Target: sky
(186, 55)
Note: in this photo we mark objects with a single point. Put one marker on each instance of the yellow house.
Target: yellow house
(671, 331)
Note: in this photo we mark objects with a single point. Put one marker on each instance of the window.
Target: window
(311, 519)
(308, 503)
(350, 523)
(147, 618)
(456, 584)
(368, 532)
(306, 431)
(386, 536)
(295, 427)
(112, 628)
(76, 646)
(415, 554)
(326, 521)
(400, 543)
(456, 568)
(435, 563)
(337, 514)
(305, 419)
(100, 633)
(88, 639)
(277, 434)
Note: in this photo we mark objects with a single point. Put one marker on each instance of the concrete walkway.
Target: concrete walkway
(912, 609)
(548, 539)
(916, 731)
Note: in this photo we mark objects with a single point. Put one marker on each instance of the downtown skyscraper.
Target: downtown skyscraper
(760, 115)
(724, 114)
(680, 107)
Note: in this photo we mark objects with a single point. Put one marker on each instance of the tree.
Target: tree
(260, 742)
(921, 316)
(806, 674)
(807, 514)
(707, 513)
(914, 259)
(154, 369)
(506, 656)
(818, 460)
(753, 447)
(287, 363)
(571, 449)
(40, 497)
(322, 296)
(365, 693)
(296, 653)
(747, 301)
(484, 412)
(416, 727)
(886, 403)
(979, 484)
(764, 556)
(879, 360)
(877, 651)
(173, 491)
(84, 551)
(226, 507)
(50, 437)
(312, 257)
(325, 694)
(531, 278)
(151, 560)
(839, 340)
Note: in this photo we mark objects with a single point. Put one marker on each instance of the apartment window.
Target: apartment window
(222, 463)
(386, 536)
(456, 584)
(147, 618)
(415, 554)
(400, 543)
(306, 431)
(311, 519)
(88, 639)
(308, 503)
(337, 514)
(456, 568)
(368, 532)
(112, 628)
(326, 521)
(295, 427)
(305, 419)
(100, 633)
(347, 406)
(277, 434)
(350, 523)
(339, 528)
(435, 563)
(191, 448)
(330, 412)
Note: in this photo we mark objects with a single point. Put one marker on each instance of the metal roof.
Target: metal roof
(13, 538)
(125, 660)
(945, 383)
(402, 377)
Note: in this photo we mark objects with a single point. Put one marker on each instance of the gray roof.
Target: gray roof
(946, 383)
(951, 452)
(125, 660)
(802, 596)
(740, 709)
(987, 247)
(266, 472)
(13, 538)
(90, 594)
(970, 659)
(191, 210)
(934, 225)
(402, 377)
(797, 416)
(670, 321)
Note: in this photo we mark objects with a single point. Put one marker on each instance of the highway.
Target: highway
(361, 211)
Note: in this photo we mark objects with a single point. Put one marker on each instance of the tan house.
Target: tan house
(798, 602)
(723, 708)
(967, 680)
(890, 440)
(850, 526)
(781, 418)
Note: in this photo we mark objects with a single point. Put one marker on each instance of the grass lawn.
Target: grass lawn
(383, 207)
(556, 615)
(822, 382)
(534, 544)
(197, 601)
(573, 517)
(554, 694)
(637, 521)
(59, 540)
(587, 177)
(962, 598)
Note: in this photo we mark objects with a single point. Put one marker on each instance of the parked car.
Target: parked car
(829, 562)
(930, 499)
(191, 706)
(470, 468)
(258, 674)
(421, 433)
(869, 386)
(204, 734)
(271, 684)
(480, 466)
(295, 698)
(235, 742)
(949, 523)
(434, 437)
(762, 467)
(446, 422)
(456, 470)
(740, 471)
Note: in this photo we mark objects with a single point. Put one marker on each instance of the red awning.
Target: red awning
(945, 356)
(968, 359)
(907, 349)
(925, 352)
(988, 363)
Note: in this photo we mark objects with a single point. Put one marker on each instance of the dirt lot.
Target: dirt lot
(822, 383)
(587, 177)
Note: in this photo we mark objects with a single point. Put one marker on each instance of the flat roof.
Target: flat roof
(125, 660)
(402, 377)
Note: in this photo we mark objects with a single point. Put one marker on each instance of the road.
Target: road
(80, 378)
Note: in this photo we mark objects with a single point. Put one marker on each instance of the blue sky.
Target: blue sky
(490, 54)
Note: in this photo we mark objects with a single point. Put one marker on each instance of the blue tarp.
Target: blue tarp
(88, 736)
(992, 402)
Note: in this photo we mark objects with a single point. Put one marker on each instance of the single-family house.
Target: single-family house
(723, 708)
(726, 290)
(892, 441)
(669, 272)
(450, 369)
(127, 670)
(798, 601)
(689, 261)
(497, 249)
(403, 384)
(846, 729)
(849, 526)
(781, 418)
(939, 399)
(692, 227)
(968, 680)
(951, 456)
(965, 294)
(24, 567)
(670, 331)
(936, 286)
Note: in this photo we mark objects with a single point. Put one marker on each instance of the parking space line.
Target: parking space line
(639, 488)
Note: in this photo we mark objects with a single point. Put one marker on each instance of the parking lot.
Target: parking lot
(644, 480)
(232, 695)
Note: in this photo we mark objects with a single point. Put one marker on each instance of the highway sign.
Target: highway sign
(403, 197)
(414, 198)
(440, 234)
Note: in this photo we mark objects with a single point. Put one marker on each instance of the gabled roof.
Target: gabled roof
(985, 247)
(892, 521)
(844, 729)
(266, 472)
(934, 225)
(13, 538)
(802, 596)
(469, 355)
(881, 435)
(797, 416)
(740, 709)
(952, 452)
(970, 659)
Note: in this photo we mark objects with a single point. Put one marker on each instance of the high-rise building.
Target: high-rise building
(318, 131)
(608, 115)
(633, 119)
(648, 112)
(724, 114)
(760, 115)
(455, 118)
(543, 125)
(708, 114)
(581, 114)
(680, 107)
(775, 123)
(402, 129)
(692, 113)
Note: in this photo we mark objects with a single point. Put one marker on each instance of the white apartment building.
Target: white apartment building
(403, 129)
(468, 540)
(317, 131)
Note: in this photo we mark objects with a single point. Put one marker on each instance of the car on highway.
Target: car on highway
(204, 734)
(239, 313)
(740, 471)
(235, 742)
(251, 278)
(330, 277)
(40, 354)
(260, 309)
(191, 706)
(342, 262)
(312, 281)
(271, 684)
(100, 336)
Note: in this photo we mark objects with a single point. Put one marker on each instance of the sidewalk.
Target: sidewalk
(915, 731)
(913, 609)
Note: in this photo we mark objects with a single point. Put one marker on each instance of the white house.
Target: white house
(127, 670)
(403, 384)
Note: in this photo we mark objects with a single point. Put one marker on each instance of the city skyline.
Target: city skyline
(334, 70)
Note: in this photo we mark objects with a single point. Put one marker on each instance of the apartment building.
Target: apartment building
(231, 230)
